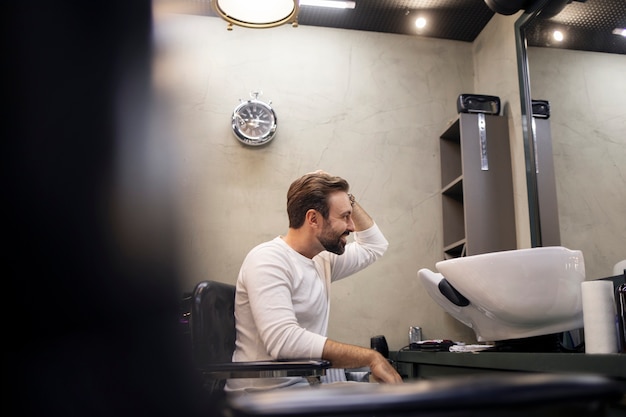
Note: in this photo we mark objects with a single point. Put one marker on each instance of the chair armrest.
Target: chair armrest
(266, 369)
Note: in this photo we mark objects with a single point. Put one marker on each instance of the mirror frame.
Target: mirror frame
(523, 72)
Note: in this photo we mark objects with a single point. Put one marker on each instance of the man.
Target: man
(283, 288)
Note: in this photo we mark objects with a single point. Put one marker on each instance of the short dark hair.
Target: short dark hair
(311, 191)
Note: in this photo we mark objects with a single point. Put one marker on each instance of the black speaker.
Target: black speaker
(476, 103)
(541, 109)
(509, 7)
(506, 7)
(379, 344)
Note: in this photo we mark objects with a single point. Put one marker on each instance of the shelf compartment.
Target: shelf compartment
(455, 250)
(453, 220)
(477, 201)
(454, 189)
(450, 153)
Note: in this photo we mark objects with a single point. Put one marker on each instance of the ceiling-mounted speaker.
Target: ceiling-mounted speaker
(554, 7)
(509, 7)
(506, 7)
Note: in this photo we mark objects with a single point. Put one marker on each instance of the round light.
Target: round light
(256, 13)
(557, 35)
(420, 22)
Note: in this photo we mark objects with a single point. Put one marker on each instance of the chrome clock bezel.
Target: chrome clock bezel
(254, 122)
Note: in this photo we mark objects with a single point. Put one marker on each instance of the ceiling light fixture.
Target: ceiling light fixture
(329, 3)
(557, 35)
(257, 13)
(620, 32)
(420, 22)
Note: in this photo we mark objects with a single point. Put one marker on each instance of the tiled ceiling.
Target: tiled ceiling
(586, 24)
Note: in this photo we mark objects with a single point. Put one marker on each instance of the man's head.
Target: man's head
(311, 191)
(325, 198)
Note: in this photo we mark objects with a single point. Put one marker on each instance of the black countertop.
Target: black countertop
(612, 365)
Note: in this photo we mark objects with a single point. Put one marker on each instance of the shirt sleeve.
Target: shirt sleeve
(369, 245)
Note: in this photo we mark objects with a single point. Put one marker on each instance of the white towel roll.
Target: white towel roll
(599, 316)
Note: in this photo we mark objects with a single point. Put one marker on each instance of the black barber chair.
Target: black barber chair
(209, 324)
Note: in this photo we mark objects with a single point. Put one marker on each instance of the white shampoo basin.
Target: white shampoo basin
(511, 294)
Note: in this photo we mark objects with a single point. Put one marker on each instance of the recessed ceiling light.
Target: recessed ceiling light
(420, 22)
(620, 31)
(329, 3)
(557, 35)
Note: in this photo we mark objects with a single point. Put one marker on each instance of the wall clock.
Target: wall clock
(254, 121)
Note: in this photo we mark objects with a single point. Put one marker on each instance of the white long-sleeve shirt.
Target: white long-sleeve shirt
(282, 302)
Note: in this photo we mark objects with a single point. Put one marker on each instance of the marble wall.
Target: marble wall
(363, 105)
(586, 92)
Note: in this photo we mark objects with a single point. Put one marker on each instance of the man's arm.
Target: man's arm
(343, 355)
(362, 220)
(369, 245)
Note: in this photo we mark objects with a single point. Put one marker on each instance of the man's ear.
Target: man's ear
(313, 218)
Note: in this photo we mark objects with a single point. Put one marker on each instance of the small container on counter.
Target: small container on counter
(415, 334)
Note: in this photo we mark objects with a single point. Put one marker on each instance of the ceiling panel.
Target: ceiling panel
(586, 24)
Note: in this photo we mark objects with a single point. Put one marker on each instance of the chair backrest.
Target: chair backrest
(212, 322)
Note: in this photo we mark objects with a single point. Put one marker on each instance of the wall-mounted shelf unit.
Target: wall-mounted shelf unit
(476, 186)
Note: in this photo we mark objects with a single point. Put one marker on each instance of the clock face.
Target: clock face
(254, 122)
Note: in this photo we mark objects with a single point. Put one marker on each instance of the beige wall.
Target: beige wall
(586, 92)
(363, 105)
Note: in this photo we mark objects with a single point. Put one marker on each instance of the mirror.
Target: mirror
(587, 124)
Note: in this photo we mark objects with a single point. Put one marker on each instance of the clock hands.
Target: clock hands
(254, 121)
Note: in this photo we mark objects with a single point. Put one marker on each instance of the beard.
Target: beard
(332, 242)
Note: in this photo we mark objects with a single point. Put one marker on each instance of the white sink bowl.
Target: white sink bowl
(512, 294)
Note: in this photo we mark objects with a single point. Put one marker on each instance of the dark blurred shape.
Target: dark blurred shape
(481, 395)
(620, 303)
(379, 344)
(543, 343)
(508, 7)
(91, 280)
